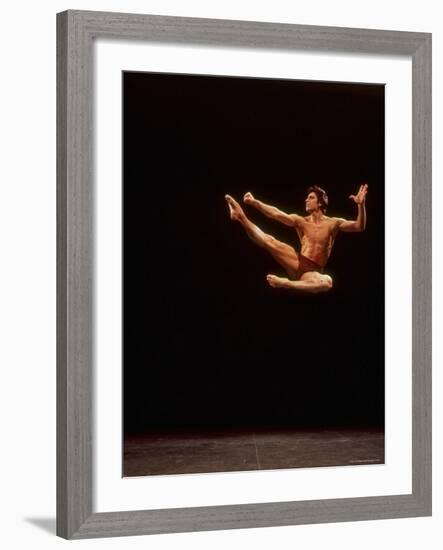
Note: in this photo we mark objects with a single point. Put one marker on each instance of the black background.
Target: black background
(207, 343)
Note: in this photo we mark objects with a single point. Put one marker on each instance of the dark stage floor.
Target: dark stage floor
(228, 451)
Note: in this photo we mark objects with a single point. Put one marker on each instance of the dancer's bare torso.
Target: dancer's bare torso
(317, 237)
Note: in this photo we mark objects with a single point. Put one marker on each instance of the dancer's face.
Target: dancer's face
(311, 202)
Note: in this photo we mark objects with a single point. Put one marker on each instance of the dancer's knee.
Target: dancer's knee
(326, 282)
(316, 282)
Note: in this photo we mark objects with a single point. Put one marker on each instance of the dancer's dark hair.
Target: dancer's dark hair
(321, 195)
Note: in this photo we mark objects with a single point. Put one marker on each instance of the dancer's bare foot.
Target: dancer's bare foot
(277, 282)
(235, 210)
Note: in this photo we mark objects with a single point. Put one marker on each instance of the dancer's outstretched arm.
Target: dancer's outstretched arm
(272, 212)
(360, 223)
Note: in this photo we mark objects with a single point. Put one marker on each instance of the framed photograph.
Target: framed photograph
(243, 274)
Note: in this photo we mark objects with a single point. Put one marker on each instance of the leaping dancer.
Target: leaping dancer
(317, 233)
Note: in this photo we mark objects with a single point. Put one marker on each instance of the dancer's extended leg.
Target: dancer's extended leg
(310, 281)
(284, 254)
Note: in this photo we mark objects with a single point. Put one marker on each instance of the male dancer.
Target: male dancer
(317, 233)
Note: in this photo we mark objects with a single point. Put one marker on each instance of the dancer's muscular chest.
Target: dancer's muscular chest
(320, 232)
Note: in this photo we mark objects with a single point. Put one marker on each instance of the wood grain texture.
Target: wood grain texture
(247, 33)
(76, 31)
(74, 295)
(62, 373)
(241, 516)
(422, 272)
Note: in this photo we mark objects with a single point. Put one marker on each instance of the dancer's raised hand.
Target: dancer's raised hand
(360, 197)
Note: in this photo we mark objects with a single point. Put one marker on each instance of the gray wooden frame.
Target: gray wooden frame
(76, 31)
